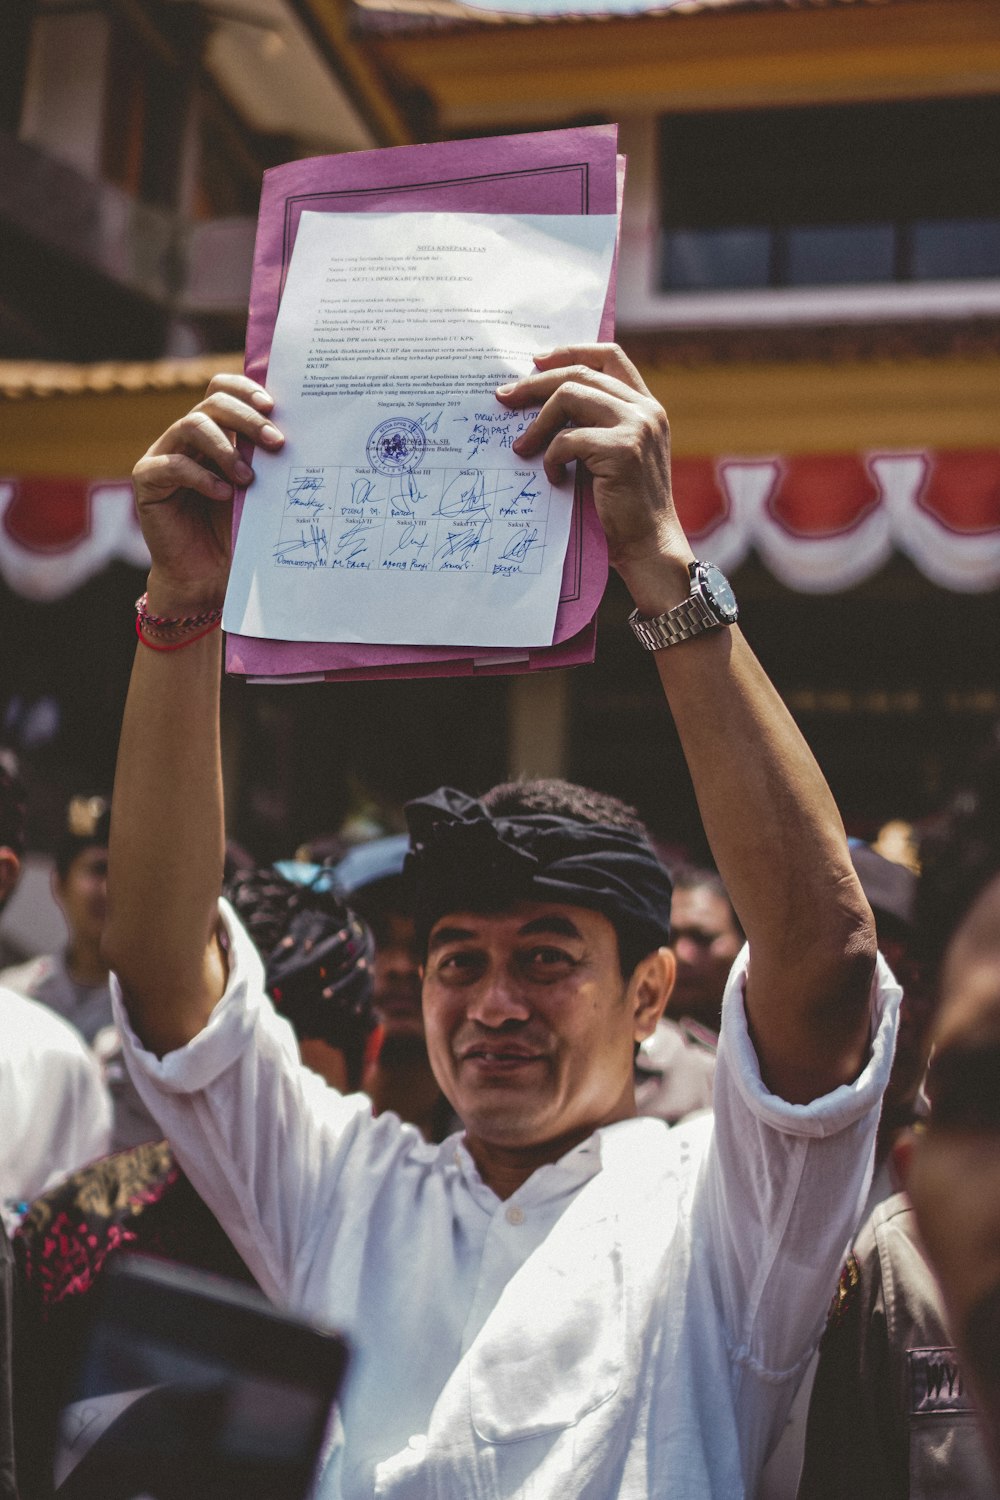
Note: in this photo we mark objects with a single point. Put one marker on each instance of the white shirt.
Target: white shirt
(631, 1323)
(55, 1113)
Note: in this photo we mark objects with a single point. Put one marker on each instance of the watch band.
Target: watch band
(692, 617)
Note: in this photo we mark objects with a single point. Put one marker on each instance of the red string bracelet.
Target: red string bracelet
(176, 645)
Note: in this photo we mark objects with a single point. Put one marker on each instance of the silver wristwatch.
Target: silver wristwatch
(709, 604)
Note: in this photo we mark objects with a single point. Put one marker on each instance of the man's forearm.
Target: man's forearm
(167, 828)
(779, 843)
(167, 844)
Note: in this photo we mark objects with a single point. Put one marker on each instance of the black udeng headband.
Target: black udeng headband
(462, 859)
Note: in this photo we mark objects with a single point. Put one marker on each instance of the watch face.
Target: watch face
(716, 586)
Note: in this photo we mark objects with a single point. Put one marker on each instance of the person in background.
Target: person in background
(398, 1074)
(954, 1176)
(318, 972)
(55, 1113)
(892, 1415)
(706, 936)
(891, 888)
(675, 1067)
(74, 982)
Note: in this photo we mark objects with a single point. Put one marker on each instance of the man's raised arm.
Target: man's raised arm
(770, 818)
(167, 828)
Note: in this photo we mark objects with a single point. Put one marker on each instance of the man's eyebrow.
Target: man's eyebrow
(442, 935)
(553, 923)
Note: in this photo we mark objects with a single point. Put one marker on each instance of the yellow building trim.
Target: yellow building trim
(93, 436)
(511, 74)
(714, 409)
(830, 408)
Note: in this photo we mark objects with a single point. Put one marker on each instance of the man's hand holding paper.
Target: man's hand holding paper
(595, 409)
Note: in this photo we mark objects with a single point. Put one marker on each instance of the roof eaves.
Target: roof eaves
(399, 17)
(22, 380)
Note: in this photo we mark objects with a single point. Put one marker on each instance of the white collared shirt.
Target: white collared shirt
(631, 1323)
(55, 1113)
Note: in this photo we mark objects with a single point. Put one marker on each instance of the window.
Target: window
(830, 195)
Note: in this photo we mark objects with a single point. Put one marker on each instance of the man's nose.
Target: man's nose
(400, 963)
(497, 999)
(687, 951)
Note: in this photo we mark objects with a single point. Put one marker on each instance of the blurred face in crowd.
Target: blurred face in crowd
(397, 975)
(955, 1171)
(83, 895)
(705, 941)
(530, 1024)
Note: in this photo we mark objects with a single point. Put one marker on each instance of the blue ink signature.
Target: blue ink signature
(459, 547)
(471, 498)
(315, 539)
(357, 533)
(430, 420)
(305, 491)
(412, 539)
(409, 494)
(522, 501)
(518, 548)
(361, 490)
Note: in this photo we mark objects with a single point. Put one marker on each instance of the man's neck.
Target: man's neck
(85, 964)
(506, 1168)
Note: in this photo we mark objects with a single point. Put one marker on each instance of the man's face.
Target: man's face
(705, 941)
(83, 894)
(954, 1177)
(530, 1025)
(397, 976)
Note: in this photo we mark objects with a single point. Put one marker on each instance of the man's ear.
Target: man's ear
(10, 869)
(652, 980)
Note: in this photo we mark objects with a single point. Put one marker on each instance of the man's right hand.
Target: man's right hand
(184, 487)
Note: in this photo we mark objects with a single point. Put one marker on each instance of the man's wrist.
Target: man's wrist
(169, 599)
(658, 584)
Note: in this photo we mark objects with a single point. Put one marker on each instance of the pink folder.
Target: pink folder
(554, 171)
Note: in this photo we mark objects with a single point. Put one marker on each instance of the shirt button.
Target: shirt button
(418, 1443)
(515, 1215)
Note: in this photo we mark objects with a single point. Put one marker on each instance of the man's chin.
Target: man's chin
(401, 1020)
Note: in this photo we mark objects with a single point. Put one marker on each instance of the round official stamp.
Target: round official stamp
(396, 445)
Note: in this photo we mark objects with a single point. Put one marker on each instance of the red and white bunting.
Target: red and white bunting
(820, 522)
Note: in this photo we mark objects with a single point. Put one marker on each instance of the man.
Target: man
(706, 935)
(398, 1075)
(675, 1067)
(892, 1414)
(954, 1178)
(566, 1300)
(55, 1113)
(74, 982)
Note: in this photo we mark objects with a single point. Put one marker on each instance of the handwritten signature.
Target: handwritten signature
(412, 539)
(405, 495)
(518, 547)
(305, 491)
(313, 539)
(460, 547)
(361, 490)
(468, 499)
(523, 501)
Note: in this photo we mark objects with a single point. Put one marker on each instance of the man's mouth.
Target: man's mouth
(501, 1059)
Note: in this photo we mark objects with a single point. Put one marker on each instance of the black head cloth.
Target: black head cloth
(463, 859)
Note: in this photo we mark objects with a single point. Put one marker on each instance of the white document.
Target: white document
(396, 512)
